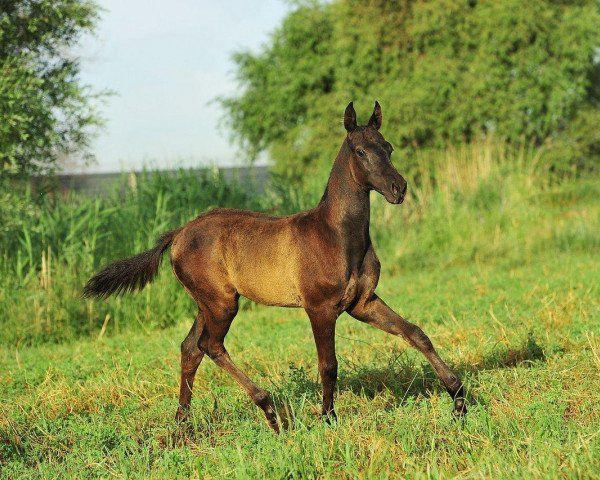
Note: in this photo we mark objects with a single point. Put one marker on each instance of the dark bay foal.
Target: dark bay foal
(321, 260)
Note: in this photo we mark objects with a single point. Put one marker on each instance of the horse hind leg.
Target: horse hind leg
(191, 356)
(218, 301)
(217, 325)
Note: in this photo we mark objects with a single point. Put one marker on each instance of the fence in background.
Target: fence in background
(102, 183)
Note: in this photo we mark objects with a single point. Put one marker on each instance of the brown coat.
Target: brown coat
(321, 260)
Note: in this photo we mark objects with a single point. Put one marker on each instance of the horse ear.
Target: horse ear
(375, 120)
(350, 117)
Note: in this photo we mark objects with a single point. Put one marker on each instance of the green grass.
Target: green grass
(496, 263)
(526, 340)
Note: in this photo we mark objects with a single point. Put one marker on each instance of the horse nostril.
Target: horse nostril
(394, 189)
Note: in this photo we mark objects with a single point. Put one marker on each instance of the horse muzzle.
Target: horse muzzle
(397, 192)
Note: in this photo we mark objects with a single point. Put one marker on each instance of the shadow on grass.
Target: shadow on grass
(411, 376)
(406, 376)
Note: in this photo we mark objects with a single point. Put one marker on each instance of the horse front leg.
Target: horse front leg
(376, 313)
(323, 321)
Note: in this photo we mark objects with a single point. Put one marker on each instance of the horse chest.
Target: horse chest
(355, 257)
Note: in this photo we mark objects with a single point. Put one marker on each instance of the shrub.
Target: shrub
(445, 72)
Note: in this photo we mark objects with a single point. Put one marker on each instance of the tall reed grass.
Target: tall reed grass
(480, 202)
(486, 201)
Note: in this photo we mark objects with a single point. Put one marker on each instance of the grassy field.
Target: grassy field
(496, 260)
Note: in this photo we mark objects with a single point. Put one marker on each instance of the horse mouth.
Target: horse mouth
(393, 199)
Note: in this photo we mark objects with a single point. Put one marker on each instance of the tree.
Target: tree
(45, 112)
(444, 72)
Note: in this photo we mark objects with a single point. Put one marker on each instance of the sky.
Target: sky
(166, 62)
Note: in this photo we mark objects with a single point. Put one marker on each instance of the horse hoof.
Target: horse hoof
(329, 418)
(182, 414)
(460, 408)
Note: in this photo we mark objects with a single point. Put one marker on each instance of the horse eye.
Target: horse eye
(360, 152)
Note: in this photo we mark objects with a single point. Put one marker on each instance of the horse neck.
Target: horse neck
(345, 204)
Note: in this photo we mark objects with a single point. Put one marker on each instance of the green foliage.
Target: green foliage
(50, 245)
(46, 113)
(445, 72)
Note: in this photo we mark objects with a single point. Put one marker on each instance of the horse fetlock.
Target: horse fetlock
(263, 400)
(273, 424)
(267, 406)
(183, 412)
(329, 370)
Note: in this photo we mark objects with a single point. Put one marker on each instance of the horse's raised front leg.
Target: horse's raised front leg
(375, 312)
(323, 321)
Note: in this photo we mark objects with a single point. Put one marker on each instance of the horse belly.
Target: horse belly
(268, 288)
(267, 276)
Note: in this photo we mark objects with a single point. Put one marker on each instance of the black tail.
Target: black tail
(129, 274)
